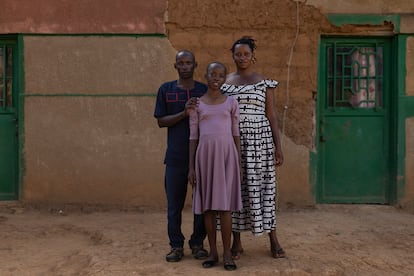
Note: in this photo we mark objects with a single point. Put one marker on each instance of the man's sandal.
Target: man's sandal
(209, 263)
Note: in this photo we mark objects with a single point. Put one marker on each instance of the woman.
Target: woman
(260, 147)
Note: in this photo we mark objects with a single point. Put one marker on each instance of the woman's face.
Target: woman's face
(242, 56)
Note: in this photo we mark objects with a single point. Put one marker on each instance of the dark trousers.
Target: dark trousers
(176, 183)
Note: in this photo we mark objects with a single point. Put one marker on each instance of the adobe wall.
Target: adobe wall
(204, 28)
(90, 136)
(409, 77)
(408, 199)
(89, 133)
(90, 85)
(363, 7)
(80, 17)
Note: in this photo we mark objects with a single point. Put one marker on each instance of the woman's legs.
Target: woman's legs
(275, 248)
(236, 248)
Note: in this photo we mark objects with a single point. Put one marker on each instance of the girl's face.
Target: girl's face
(216, 76)
(242, 56)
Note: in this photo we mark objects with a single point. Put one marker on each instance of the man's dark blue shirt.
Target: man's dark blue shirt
(171, 100)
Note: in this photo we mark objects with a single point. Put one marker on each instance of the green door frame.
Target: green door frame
(315, 175)
(17, 88)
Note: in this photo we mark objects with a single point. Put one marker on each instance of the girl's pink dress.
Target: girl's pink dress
(217, 159)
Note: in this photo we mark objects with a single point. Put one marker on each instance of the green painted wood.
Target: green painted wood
(355, 154)
(364, 19)
(8, 157)
(354, 150)
(8, 120)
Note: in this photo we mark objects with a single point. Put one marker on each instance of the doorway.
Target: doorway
(8, 119)
(354, 126)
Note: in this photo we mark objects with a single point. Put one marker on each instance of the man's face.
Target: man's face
(185, 65)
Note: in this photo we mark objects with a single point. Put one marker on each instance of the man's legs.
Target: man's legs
(176, 182)
(197, 238)
(199, 231)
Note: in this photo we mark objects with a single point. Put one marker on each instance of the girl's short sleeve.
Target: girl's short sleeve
(193, 124)
(235, 117)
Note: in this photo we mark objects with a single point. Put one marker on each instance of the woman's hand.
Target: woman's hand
(278, 158)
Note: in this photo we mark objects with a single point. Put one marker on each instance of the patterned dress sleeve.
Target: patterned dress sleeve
(271, 83)
(235, 117)
(193, 124)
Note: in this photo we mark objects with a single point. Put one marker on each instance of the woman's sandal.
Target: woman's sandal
(278, 253)
(235, 254)
(276, 250)
(209, 263)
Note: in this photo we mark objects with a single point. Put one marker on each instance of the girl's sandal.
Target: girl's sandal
(229, 265)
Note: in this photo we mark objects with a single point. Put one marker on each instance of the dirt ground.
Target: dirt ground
(325, 240)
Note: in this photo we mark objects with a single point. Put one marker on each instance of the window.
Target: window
(6, 76)
(355, 76)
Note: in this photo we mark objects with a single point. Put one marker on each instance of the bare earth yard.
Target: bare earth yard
(325, 240)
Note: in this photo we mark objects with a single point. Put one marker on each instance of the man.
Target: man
(174, 100)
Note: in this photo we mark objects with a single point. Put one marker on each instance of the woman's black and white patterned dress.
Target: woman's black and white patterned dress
(257, 155)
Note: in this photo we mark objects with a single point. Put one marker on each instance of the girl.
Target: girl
(214, 170)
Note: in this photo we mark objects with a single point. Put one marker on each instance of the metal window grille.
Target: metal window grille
(6, 76)
(354, 76)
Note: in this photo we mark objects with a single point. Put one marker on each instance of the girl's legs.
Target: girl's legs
(225, 220)
(210, 224)
(275, 248)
